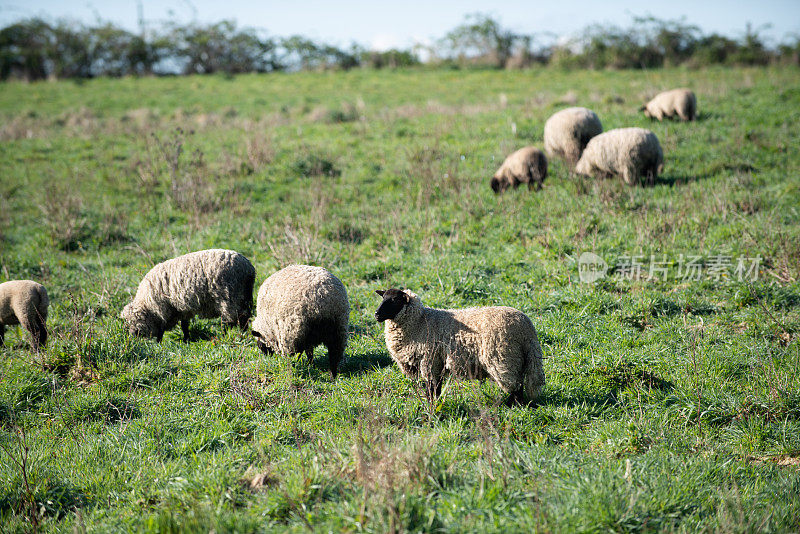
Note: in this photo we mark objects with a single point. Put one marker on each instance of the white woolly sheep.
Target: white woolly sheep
(209, 283)
(476, 343)
(300, 307)
(680, 102)
(567, 132)
(24, 302)
(628, 152)
(525, 166)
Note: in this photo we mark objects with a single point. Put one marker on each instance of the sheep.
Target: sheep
(525, 166)
(24, 302)
(629, 152)
(300, 307)
(567, 132)
(680, 102)
(209, 283)
(497, 342)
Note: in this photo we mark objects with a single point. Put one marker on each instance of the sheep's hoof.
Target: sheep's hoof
(515, 399)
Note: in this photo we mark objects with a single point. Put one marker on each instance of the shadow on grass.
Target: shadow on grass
(197, 332)
(677, 176)
(363, 363)
(350, 366)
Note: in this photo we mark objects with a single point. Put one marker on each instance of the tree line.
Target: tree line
(35, 49)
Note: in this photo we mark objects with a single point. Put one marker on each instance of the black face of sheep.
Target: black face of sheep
(393, 301)
(260, 343)
(497, 186)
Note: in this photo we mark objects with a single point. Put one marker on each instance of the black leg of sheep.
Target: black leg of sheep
(185, 330)
(433, 389)
(335, 354)
(38, 333)
(515, 399)
(2, 335)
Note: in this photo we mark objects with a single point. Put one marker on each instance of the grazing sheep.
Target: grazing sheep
(208, 283)
(567, 132)
(24, 302)
(300, 307)
(525, 166)
(628, 152)
(497, 342)
(680, 102)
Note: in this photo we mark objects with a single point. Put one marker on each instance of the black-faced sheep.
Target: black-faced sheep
(209, 283)
(567, 132)
(24, 302)
(627, 152)
(525, 166)
(300, 307)
(475, 343)
(680, 102)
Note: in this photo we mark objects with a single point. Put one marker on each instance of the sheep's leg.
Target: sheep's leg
(310, 354)
(433, 388)
(514, 398)
(650, 174)
(335, 355)
(28, 323)
(2, 335)
(628, 176)
(38, 333)
(159, 335)
(432, 371)
(242, 320)
(185, 330)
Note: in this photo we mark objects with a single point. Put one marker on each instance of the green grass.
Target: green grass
(669, 405)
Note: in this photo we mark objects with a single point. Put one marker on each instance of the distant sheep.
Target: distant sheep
(680, 102)
(567, 132)
(24, 302)
(209, 283)
(476, 343)
(300, 307)
(631, 153)
(525, 166)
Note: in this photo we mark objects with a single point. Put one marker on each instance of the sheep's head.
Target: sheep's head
(583, 167)
(498, 183)
(394, 300)
(261, 342)
(140, 321)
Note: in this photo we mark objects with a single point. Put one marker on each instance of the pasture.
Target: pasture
(672, 402)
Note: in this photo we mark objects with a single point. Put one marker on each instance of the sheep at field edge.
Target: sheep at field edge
(567, 132)
(300, 307)
(627, 152)
(475, 343)
(680, 102)
(525, 166)
(209, 283)
(24, 302)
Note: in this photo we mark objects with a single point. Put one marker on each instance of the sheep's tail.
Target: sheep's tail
(533, 373)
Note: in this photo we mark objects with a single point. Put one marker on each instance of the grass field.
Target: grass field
(670, 405)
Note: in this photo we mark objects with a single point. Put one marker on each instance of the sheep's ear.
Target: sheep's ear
(380, 292)
(256, 334)
(643, 108)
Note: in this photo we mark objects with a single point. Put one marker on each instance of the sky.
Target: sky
(381, 25)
